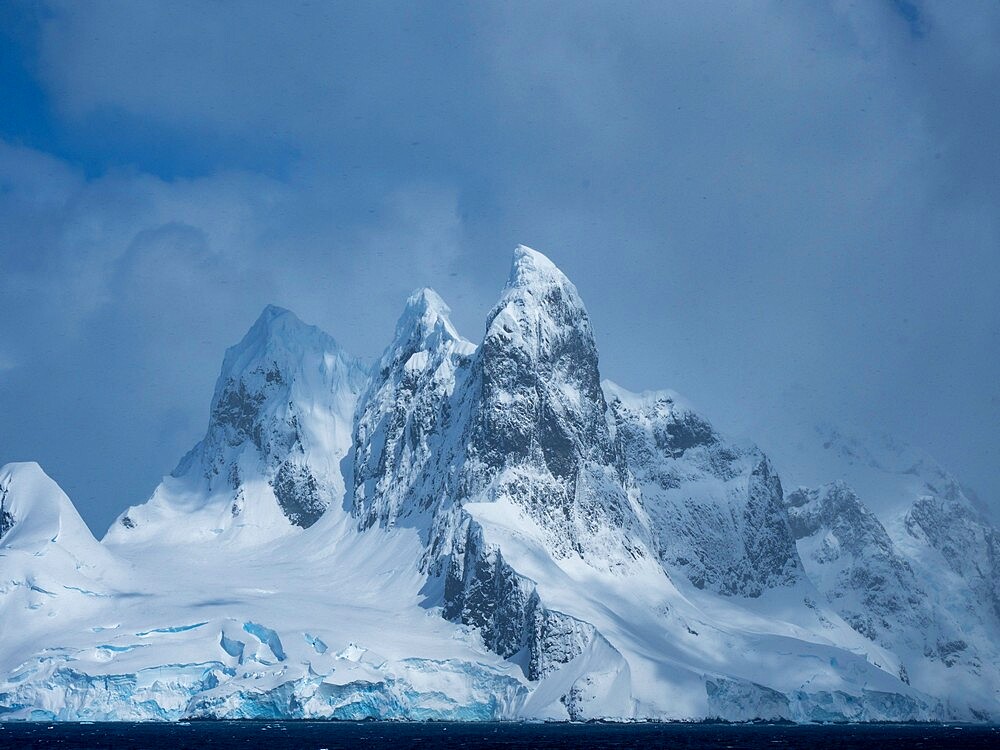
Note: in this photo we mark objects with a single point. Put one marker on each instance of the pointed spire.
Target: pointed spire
(537, 291)
(277, 336)
(533, 272)
(425, 314)
(423, 325)
(530, 268)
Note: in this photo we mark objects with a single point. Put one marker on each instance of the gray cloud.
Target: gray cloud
(781, 210)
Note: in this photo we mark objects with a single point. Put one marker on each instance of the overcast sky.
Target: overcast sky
(784, 210)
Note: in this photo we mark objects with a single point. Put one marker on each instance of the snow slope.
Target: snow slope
(50, 563)
(489, 532)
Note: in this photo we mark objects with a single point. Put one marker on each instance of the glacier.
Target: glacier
(492, 531)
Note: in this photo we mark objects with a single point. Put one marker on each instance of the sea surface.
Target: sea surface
(310, 735)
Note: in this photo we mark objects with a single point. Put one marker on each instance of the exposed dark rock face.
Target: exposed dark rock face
(855, 563)
(852, 559)
(239, 417)
(259, 420)
(537, 434)
(281, 416)
(254, 408)
(6, 517)
(482, 590)
(969, 545)
(298, 494)
(521, 421)
(716, 509)
(539, 507)
(405, 416)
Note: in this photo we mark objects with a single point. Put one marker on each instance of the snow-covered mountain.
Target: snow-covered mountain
(715, 507)
(280, 424)
(491, 532)
(901, 551)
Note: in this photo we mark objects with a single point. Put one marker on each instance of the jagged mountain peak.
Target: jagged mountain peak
(715, 507)
(534, 278)
(425, 324)
(273, 322)
(281, 367)
(426, 307)
(538, 435)
(272, 312)
(530, 268)
(540, 313)
(540, 323)
(405, 410)
(279, 338)
(279, 425)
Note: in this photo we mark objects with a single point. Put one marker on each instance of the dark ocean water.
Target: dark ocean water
(309, 735)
